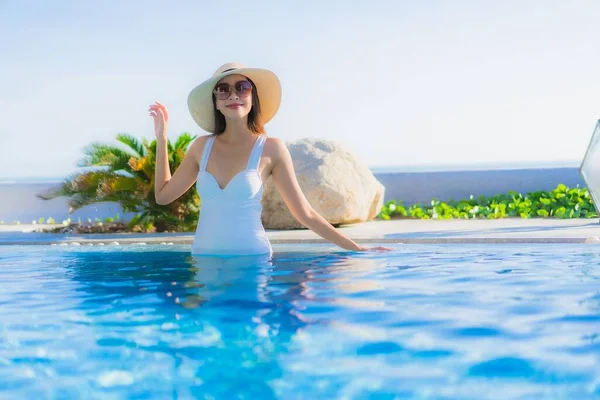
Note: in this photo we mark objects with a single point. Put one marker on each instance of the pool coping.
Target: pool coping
(508, 230)
(313, 241)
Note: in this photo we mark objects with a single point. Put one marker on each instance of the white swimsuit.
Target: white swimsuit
(230, 218)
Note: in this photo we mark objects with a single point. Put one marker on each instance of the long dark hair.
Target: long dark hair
(255, 123)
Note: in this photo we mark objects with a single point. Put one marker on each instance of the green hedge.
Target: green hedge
(561, 202)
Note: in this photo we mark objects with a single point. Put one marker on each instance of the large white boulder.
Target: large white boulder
(336, 183)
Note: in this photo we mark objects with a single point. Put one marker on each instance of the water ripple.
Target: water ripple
(426, 322)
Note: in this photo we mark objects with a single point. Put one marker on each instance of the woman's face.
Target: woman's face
(234, 96)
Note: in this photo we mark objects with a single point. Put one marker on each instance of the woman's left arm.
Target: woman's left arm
(285, 180)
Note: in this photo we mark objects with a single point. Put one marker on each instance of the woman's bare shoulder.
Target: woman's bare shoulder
(197, 146)
(200, 140)
(274, 146)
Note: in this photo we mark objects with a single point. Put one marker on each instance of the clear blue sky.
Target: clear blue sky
(398, 82)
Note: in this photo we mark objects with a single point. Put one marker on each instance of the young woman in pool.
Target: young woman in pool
(231, 164)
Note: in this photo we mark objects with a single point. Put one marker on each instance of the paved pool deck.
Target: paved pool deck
(508, 230)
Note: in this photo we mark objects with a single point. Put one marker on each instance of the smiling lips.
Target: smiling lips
(235, 105)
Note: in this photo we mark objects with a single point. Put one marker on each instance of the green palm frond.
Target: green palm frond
(81, 183)
(98, 154)
(92, 187)
(134, 144)
(114, 184)
(183, 141)
(151, 147)
(61, 190)
(177, 157)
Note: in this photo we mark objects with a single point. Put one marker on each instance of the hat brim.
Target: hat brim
(267, 86)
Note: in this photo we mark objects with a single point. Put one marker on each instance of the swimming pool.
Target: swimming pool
(425, 321)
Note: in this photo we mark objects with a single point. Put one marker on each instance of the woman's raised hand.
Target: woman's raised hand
(161, 118)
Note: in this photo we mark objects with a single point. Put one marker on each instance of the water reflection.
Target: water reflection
(221, 317)
(180, 282)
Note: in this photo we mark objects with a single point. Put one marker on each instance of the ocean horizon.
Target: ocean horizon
(384, 169)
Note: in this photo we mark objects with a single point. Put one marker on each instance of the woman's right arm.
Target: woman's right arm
(167, 188)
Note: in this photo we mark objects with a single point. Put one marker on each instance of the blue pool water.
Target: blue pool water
(422, 322)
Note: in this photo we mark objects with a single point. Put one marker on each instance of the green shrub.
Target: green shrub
(561, 202)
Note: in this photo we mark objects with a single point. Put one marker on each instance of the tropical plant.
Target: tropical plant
(125, 174)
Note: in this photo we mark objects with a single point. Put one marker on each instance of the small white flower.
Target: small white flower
(392, 207)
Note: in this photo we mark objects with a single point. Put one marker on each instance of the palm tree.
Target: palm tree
(125, 174)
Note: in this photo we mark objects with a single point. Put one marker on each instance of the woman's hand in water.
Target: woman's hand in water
(378, 248)
(161, 118)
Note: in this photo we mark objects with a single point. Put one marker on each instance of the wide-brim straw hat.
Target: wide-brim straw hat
(267, 85)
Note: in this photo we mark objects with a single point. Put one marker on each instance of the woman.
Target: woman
(231, 164)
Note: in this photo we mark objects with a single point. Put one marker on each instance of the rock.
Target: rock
(335, 182)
